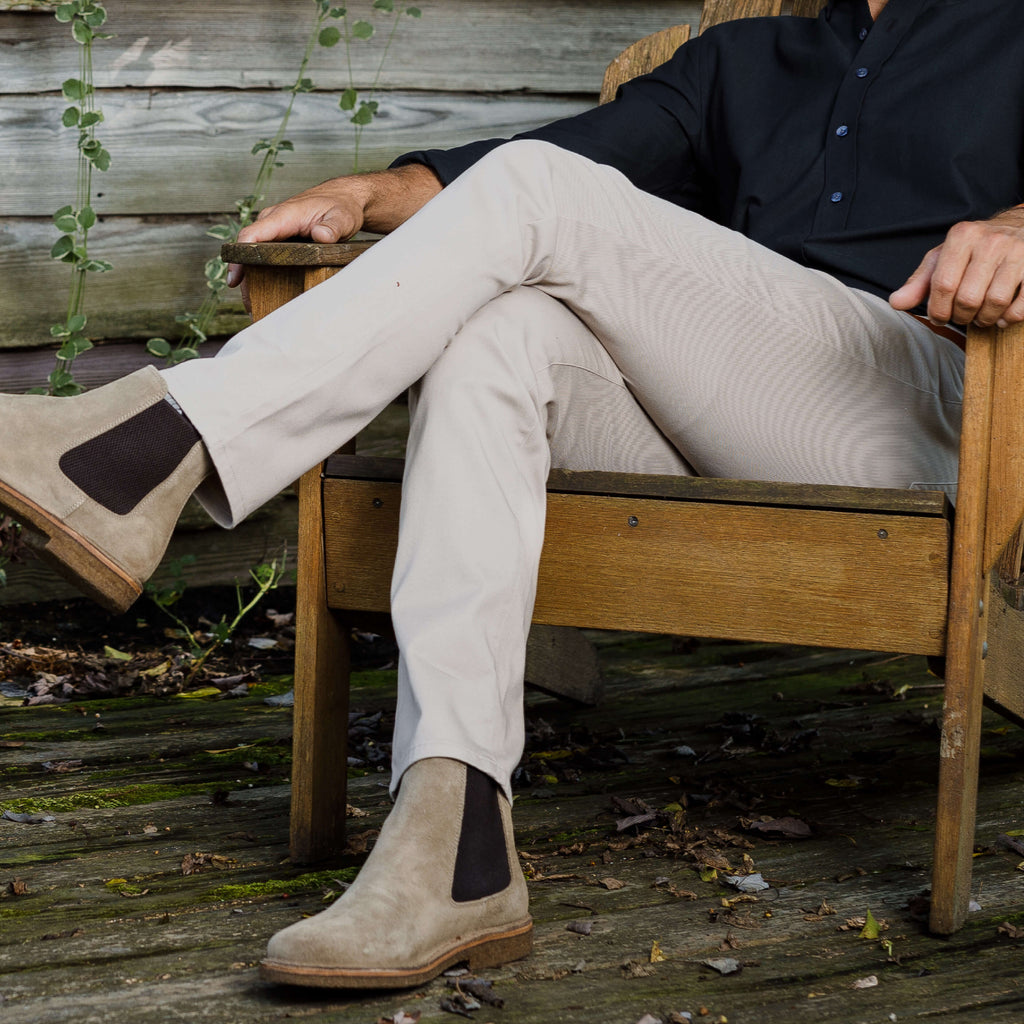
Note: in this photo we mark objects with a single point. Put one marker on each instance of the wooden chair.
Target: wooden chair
(833, 566)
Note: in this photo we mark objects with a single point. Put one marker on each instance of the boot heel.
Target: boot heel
(73, 559)
(89, 571)
(502, 949)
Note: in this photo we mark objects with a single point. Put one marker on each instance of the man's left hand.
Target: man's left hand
(975, 276)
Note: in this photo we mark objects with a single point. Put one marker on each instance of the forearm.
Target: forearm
(393, 196)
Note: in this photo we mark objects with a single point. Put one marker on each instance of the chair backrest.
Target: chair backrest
(652, 50)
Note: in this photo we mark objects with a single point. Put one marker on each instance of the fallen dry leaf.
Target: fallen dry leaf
(635, 969)
(27, 819)
(612, 883)
(869, 982)
(723, 964)
(785, 828)
(479, 988)
(656, 956)
(1011, 930)
(195, 863)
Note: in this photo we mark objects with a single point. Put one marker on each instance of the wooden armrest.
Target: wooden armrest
(293, 254)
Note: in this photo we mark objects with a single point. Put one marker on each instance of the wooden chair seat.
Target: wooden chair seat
(834, 566)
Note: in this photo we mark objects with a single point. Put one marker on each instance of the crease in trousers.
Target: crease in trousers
(545, 311)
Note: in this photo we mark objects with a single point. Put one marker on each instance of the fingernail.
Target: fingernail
(1002, 325)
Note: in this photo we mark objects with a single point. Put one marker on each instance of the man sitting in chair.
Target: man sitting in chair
(755, 263)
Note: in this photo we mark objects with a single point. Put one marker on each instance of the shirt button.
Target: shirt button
(842, 131)
(862, 72)
(863, 34)
(836, 197)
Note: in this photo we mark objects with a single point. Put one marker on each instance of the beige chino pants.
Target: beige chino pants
(544, 310)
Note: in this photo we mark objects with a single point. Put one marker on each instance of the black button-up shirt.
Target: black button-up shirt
(847, 145)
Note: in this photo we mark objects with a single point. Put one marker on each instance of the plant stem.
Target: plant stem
(373, 85)
(199, 327)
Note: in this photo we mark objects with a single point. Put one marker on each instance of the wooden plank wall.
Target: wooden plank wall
(187, 89)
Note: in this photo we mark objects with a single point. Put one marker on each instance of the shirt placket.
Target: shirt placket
(878, 42)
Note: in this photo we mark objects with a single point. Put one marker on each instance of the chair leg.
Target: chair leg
(958, 794)
(320, 737)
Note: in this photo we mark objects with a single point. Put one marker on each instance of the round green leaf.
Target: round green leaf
(62, 247)
(73, 89)
(81, 31)
(329, 36)
(65, 13)
(159, 347)
(66, 222)
(76, 322)
(362, 30)
(87, 217)
(71, 117)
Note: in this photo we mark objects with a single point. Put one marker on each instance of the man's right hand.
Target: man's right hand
(337, 209)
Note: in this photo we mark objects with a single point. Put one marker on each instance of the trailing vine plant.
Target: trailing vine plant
(196, 326)
(75, 220)
(368, 107)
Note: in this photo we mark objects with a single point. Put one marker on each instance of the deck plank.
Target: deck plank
(181, 955)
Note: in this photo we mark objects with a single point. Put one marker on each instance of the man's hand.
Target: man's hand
(975, 276)
(338, 208)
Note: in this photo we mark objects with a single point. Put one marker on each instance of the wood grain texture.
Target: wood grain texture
(1005, 505)
(222, 556)
(690, 488)
(961, 728)
(293, 254)
(642, 55)
(715, 12)
(319, 765)
(807, 8)
(158, 273)
(1004, 679)
(744, 572)
(458, 45)
(189, 152)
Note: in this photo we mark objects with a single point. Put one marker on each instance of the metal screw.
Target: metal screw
(984, 650)
(883, 534)
(981, 607)
(378, 503)
(633, 521)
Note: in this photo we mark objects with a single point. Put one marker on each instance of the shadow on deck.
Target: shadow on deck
(99, 922)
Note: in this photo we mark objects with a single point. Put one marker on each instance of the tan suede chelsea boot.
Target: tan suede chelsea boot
(442, 886)
(98, 481)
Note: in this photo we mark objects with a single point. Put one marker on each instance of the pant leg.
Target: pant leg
(752, 365)
(523, 382)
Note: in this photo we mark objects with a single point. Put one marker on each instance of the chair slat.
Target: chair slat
(807, 8)
(643, 56)
(717, 11)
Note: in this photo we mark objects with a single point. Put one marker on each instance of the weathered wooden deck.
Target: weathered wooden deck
(99, 922)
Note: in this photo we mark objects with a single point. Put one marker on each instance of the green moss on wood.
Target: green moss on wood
(310, 882)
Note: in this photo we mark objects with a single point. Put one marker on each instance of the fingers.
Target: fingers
(915, 291)
(236, 274)
(978, 275)
(1014, 313)
(326, 213)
